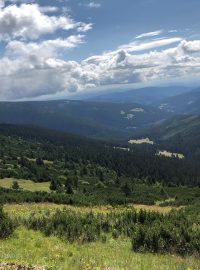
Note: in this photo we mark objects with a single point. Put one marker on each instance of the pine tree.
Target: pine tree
(15, 185)
(54, 185)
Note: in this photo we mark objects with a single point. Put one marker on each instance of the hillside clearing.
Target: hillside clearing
(170, 154)
(141, 141)
(25, 184)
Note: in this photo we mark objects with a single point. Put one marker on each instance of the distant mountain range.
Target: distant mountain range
(170, 120)
(147, 95)
(92, 119)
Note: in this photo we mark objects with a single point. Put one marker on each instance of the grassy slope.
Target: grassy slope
(28, 247)
(27, 209)
(25, 184)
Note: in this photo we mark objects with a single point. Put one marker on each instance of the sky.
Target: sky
(59, 48)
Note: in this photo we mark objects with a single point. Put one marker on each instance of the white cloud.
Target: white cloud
(49, 9)
(173, 31)
(134, 46)
(94, 5)
(2, 3)
(149, 34)
(45, 49)
(90, 5)
(191, 46)
(38, 70)
(29, 22)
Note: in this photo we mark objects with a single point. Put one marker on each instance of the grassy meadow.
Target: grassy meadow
(27, 209)
(25, 184)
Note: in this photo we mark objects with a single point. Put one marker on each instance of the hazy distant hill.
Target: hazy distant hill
(187, 103)
(148, 95)
(93, 119)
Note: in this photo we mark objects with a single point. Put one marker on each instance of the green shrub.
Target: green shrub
(6, 225)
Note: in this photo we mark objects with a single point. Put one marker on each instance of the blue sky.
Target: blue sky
(62, 47)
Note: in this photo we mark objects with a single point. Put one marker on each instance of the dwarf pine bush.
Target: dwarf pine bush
(6, 225)
(149, 231)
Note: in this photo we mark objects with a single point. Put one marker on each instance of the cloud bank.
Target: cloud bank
(33, 66)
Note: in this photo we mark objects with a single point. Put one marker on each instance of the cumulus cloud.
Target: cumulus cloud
(191, 46)
(35, 74)
(44, 49)
(30, 22)
(32, 66)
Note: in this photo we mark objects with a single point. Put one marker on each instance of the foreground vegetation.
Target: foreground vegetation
(174, 232)
(79, 238)
(56, 254)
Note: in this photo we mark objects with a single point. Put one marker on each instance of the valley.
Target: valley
(91, 119)
(99, 135)
(117, 186)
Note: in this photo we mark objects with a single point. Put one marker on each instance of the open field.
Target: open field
(25, 184)
(141, 141)
(26, 209)
(170, 154)
(28, 247)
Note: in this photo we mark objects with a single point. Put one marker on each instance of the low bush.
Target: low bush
(6, 225)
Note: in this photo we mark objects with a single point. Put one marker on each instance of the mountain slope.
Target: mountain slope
(178, 134)
(187, 103)
(93, 119)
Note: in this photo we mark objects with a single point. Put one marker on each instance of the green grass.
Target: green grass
(29, 247)
(25, 184)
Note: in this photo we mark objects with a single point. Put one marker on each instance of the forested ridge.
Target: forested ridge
(24, 143)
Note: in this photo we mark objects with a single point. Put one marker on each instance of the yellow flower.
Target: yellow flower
(189, 268)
